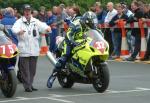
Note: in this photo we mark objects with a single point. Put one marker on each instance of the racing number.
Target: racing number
(100, 45)
(3, 48)
(9, 47)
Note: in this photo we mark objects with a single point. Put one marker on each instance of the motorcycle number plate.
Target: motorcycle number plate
(100, 46)
(7, 49)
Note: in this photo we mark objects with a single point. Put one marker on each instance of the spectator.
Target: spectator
(61, 10)
(61, 16)
(126, 10)
(97, 4)
(1, 16)
(109, 32)
(42, 17)
(77, 13)
(8, 21)
(92, 9)
(27, 30)
(101, 13)
(51, 21)
(130, 38)
(42, 14)
(62, 6)
(141, 5)
(35, 14)
(67, 9)
(117, 31)
(2, 12)
(111, 12)
(74, 13)
(16, 14)
(71, 13)
(138, 14)
(54, 10)
(147, 18)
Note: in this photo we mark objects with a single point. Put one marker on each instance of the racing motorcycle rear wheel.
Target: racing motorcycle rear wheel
(65, 80)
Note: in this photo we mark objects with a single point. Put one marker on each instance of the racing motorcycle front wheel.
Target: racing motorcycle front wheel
(9, 83)
(101, 82)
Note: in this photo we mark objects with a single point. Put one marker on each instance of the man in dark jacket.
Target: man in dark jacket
(100, 12)
(138, 14)
(117, 31)
(147, 18)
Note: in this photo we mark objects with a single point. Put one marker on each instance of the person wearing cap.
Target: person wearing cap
(27, 29)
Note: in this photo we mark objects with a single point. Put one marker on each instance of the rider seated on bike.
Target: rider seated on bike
(76, 31)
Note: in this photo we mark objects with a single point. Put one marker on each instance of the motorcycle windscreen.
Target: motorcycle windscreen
(98, 41)
(4, 39)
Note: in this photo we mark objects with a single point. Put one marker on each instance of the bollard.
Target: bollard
(44, 47)
(124, 45)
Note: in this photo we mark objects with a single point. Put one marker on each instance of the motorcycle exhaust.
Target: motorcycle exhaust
(51, 58)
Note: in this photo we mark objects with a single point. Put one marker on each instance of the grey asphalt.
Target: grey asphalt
(129, 83)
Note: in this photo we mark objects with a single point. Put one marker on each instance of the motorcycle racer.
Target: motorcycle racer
(76, 31)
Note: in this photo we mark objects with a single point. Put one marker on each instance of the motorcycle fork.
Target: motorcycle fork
(94, 69)
(5, 67)
(3, 76)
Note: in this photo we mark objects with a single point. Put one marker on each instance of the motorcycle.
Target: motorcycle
(87, 64)
(8, 53)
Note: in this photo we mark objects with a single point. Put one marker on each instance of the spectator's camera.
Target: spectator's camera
(34, 33)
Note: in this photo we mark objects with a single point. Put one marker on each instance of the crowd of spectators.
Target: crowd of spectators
(56, 17)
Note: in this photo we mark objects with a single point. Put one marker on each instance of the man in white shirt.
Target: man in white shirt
(111, 12)
(109, 35)
(27, 29)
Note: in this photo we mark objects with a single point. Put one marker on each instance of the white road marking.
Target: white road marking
(129, 76)
(61, 100)
(138, 89)
(36, 98)
(56, 97)
(131, 62)
(21, 98)
(146, 89)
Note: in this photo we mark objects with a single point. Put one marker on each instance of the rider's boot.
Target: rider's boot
(58, 66)
(51, 79)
